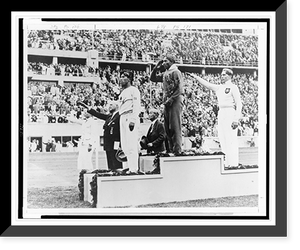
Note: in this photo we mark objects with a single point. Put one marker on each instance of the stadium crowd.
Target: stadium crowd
(59, 69)
(50, 103)
(190, 47)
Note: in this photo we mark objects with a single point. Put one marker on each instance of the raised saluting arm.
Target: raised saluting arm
(203, 82)
(154, 77)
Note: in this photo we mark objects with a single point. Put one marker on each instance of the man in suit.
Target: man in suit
(154, 140)
(111, 134)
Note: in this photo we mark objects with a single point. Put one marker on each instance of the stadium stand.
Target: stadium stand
(190, 47)
(51, 101)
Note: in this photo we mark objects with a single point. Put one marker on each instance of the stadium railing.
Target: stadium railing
(184, 61)
(118, 58)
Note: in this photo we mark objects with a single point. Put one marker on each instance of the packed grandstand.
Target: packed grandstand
(207, 48)
(51, 102)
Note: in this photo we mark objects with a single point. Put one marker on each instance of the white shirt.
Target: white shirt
(130, 101)
(152, 125)
(153, 122)
(229, 96)
(33, 146)
(89, 131)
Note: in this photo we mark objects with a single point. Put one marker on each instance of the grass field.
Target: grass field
(55, 197)
(52, 180)
(67, 197)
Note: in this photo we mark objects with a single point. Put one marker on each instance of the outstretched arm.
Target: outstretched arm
(203, 82)
(98, 114)
(74, 120)
(93, 112)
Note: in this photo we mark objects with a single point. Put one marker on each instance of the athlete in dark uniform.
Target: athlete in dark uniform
(173, 101)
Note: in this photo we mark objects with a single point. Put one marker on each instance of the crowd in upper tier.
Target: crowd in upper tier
(190, 47)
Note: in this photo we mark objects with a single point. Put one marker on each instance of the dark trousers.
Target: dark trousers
(172, 122)
(112, 162)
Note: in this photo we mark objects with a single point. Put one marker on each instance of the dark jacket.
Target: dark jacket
(157, 136)
(111, 128)
(48, 146)
(172, 83)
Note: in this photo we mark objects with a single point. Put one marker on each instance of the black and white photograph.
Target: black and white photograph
(165, 120)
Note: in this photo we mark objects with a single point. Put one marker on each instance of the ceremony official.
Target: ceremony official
(130, 106)
(173, 101)
(111, 135)
(230, 107)
(155, 138)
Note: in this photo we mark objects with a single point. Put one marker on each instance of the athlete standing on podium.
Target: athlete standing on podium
(130, 107)
(173, 101)
(230, 107)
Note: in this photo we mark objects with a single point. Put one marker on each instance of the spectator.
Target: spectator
(199, 104)
(251, 142)
(196, 141)
(189, 46)
(58, 146)
(48, 145)
(53, 145)
(154, 140)
(33, 146)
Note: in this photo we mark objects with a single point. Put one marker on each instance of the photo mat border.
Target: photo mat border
(136, 232)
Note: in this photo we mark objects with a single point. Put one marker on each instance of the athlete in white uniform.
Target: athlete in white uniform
(130, 106)
(230, 107)
(87, 142)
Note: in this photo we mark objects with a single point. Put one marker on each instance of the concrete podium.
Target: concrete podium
(181, 178)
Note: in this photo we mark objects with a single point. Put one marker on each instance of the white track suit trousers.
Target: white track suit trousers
(129, 142)
(228, 136)
(84, 160)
